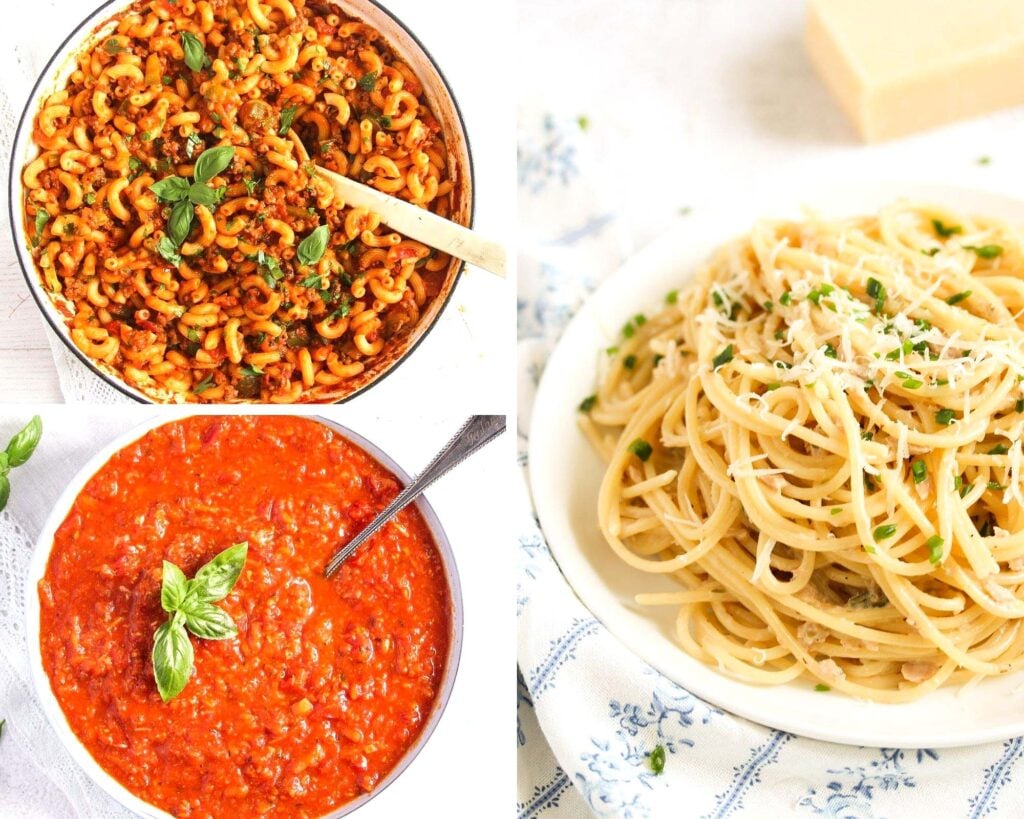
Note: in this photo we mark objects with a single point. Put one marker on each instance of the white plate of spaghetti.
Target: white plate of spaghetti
(780, 458)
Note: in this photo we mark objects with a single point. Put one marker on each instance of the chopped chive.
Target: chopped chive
(639, 319)
(772, 387)
(913, 384)
(768, 306)
(830, 351)
(886, 530)
(986, 251)
(998, 449)
(934, 544)
(780, 336)
(657, 359)
(930, 251)
(945, 230)
(822, 687)
(587, 404)
(716, 297)
(871, 550)
(628, 330)
(959, 297)
(919, 470)
(836, 510)
(867, 435)
(944, 417)
(1019, 406)
(876, 291)
(722, 358)
(641, 449)
(672, 297)
(611, 350)
(998, 487)
(786, 299)
(629, 362)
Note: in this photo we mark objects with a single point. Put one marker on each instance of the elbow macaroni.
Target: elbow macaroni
(237, 316)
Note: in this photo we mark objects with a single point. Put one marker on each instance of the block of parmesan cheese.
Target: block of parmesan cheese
(899, 66)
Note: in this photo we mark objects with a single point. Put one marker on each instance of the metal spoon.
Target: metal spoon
(477, 431)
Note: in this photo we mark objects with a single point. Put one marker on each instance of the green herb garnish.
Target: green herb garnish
(934, 544)
(19, 450)
(190, 604)
(311, 249)
(959, 297)
(945, 230)
(658, 760)
(587, 404)
(919, 470)
(722, 358)
(672, 297)
(641, 449)
(629, 362)
(287, 117)
(944, 417)
(998, 449)
(195, 54)
(822, 687)
(367, 81)
(42, 217)
(985, 251)
(886, 530)
(876, 290)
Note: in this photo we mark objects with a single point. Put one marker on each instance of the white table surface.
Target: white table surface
(469, 351)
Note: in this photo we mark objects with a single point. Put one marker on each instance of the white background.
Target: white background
(464, 351)
(467, 766)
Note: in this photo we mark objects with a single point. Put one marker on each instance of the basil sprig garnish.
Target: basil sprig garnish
(190, 604)
(185, 195)
(311, 249)
(19, 450)
(196, 57)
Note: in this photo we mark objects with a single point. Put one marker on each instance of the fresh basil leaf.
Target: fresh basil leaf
(23, 444)
(169, 250)
(201, 194)
(195, 53)
(180, 223)
(212, 161)
(209, 622)
(170, 189)
(368, 81)
(287, 117)
(314, 282)
(311, 249)
(173, 587)
(42, 217)
(173, 658)
(218, 577)
(5, 491)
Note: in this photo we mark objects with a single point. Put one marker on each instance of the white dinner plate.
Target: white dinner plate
(565, 475)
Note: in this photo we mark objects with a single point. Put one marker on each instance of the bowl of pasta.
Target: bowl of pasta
(171, 230)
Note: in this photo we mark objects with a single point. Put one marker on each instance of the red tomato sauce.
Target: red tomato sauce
(327, 684)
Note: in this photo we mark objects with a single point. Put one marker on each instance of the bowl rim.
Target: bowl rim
(43, 547)
(16, 191)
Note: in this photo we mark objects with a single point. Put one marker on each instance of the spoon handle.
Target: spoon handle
(477, 431)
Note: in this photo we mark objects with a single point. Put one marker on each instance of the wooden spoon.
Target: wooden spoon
(413, 221)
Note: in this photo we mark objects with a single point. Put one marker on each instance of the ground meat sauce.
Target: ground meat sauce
(328, 682)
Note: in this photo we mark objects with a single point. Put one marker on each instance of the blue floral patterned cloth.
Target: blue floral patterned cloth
(589, 711)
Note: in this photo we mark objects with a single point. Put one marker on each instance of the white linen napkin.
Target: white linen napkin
(590, 711)
(38, 778)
